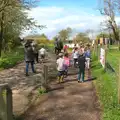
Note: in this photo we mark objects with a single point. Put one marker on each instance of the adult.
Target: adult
(60, 45)
(35, 48)
(29, 56)
(56, 45)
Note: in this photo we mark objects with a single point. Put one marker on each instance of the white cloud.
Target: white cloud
(56, 18)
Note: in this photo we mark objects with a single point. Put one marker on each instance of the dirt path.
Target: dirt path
(24, 88)
(68, 101)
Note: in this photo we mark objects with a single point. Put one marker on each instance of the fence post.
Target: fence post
(6, 110)
(9, 104)
(119, 84)
(45, 74)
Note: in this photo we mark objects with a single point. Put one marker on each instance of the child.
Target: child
(81, 65)
(66, 63)
(60, 67)
(87, 56)
(75, 56)
(42, 53)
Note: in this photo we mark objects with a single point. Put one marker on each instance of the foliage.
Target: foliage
(102, 34)
(41, 91)
(110, 8)
(65, 33)
(81, 37)
(11, 58)
(13, 20)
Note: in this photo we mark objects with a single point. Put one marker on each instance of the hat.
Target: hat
(60, 54)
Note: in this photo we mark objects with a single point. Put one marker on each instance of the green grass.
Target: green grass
(113, 57)
(10, 59)
(106, 85)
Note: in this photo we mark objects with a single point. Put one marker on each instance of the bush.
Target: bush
(10, 59)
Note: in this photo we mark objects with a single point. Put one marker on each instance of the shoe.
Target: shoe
(35, 72)
(78, 81)
(27, 74)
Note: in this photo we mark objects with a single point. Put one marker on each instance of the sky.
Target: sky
(80, 15)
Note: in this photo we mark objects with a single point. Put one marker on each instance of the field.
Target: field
(106, 85)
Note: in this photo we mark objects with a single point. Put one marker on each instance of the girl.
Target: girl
(75, 56)
(66, 63)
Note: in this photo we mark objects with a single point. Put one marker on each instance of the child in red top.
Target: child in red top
(65, 48)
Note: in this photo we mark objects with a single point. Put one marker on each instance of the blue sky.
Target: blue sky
(80, 15)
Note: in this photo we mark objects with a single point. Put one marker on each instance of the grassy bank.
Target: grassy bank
(106, 85)
(10, 59)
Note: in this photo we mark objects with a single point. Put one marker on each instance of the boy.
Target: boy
(60, 67)
(81, 65)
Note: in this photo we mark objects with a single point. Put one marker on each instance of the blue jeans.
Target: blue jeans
(81, 73)
(32, 66)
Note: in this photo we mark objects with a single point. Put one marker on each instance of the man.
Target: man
(35, 48)
(81, 65)
(56, 45)
(60, 45)
(29, 56)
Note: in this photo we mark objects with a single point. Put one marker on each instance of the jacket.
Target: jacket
(29, 53)
(81, 62)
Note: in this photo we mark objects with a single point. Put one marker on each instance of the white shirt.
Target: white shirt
(60, 63)
(42, 51)
(75, 54)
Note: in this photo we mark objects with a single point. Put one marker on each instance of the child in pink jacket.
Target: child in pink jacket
(66, 63)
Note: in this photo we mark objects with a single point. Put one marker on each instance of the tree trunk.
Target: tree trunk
(1, 32)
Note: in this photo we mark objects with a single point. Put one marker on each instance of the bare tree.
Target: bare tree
(109, 10)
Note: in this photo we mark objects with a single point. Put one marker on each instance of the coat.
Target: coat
(29, 53)
(81, 62)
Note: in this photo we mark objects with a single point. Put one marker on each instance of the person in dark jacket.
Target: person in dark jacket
(29, 56)
(81, 66)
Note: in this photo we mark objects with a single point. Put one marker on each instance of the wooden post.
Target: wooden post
(119, 84)
(45, 74)
(6, 108)
(9, 104)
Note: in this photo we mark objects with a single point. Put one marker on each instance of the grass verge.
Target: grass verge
(106, 86)
(10, 59)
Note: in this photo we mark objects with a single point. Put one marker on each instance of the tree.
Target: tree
(13, 20)
(81, 37)
(109, 9)
(65, 34)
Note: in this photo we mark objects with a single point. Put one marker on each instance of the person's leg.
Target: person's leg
(37, 60)
(83, 75)
(88, 63)
(27, 68)
(58, 77)
(32, 66)
(74, 62)
(79, 75)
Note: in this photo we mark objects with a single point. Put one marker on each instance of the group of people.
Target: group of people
(32, 54)
(81, 60)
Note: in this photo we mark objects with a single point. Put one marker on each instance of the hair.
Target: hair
(66, 54)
